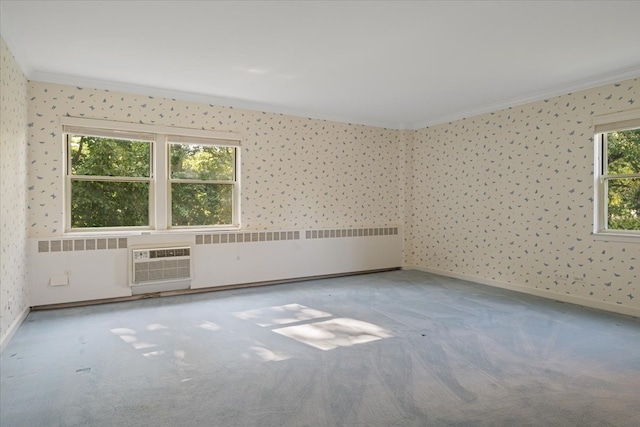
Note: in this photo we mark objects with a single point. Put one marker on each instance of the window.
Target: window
(617, 195)
(110, 181)
(126, 176)
(202, 183)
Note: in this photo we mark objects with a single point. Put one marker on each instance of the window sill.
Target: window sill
(615, 237)
(124, 233)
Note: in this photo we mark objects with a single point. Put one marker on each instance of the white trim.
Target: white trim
(237, 199)
(150, 128)
(69, 130)
(598, 185)
(600, 178)
(108, 178)
(159, 178)
(601, 80)
(207, 99)
(66, 182)
(13, 328)
(20, 56)
(621, 176)
(620, 116)
(585, 302)
(199, 181)
(195, 140)
(616, 237)
(160, 187)
(139, 231)
(235, 189)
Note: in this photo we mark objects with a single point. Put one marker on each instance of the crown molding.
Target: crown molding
(8, 40)
(203, 99)
(601, 80)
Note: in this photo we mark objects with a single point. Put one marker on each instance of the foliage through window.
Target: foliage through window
(110, 182)
(119, 179)
(618, 192)
(202, 183)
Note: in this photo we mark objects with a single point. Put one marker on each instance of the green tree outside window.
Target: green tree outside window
(623, 194)
(111, 181)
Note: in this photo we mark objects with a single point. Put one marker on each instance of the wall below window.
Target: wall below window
(98, 268)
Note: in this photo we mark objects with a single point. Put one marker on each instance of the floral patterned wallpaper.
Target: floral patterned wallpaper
(296, 172)
(505, 196)
(508, 196)
(13, 183)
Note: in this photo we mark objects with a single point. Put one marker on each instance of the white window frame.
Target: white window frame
(601, 126)
(160, 198)
(177, 139)
(70, 177)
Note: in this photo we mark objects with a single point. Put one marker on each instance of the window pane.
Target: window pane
(201, 204)
(623, 152)
(95, 156)
(205, 162)
(623, 204)
(109, 204)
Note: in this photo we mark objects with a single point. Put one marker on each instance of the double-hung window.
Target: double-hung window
(110, 179)
(202, 180)
(123, 176)
(617, 174)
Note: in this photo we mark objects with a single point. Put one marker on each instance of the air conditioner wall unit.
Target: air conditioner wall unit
(160, 268)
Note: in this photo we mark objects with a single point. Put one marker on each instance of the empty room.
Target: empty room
(320, 213)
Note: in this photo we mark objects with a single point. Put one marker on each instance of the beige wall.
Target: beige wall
(13, 189)
(502, 198)
(507, 198)
(296, 172)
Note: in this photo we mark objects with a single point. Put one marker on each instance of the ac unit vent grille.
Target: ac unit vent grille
(169, 253)
(157, 265)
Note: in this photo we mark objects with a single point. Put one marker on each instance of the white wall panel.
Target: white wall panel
(103, 273)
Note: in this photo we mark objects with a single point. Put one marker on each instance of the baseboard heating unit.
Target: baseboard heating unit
(160, 268)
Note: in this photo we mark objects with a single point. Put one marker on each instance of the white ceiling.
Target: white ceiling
(386, 63)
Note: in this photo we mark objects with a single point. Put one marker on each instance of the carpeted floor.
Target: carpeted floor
(401, 348)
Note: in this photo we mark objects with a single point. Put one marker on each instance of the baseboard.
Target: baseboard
(13, 329)
(585, 302)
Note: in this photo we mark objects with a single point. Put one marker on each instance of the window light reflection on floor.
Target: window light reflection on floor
(129, 336)
(324, 335)
(330, 334)
(156, 327)
(281, 315)
(263, 353)
(209, 326)
(304, 327)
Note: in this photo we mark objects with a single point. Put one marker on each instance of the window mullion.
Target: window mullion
(599, 185)
(200, 181)
(604, 185)
(604, 170)
(109, 178)
(621, 176)
(67, 184)
(161, 189)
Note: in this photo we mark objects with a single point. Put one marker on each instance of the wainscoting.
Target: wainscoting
(74, 269)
